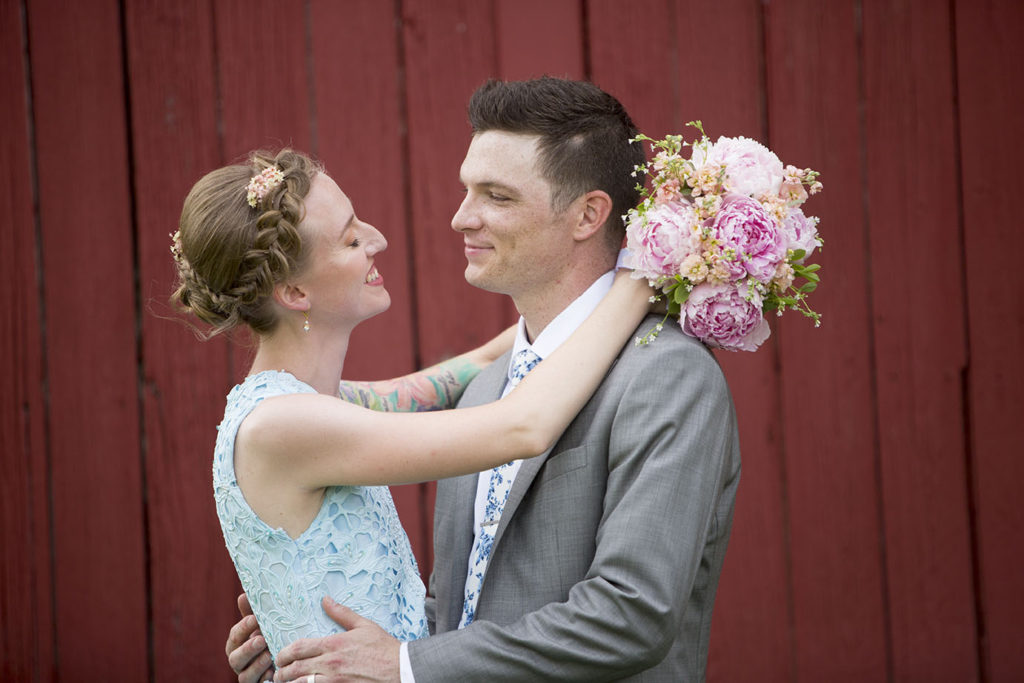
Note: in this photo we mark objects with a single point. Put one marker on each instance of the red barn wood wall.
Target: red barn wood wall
(878, 533)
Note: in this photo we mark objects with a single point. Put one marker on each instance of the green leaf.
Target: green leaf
(809, 287)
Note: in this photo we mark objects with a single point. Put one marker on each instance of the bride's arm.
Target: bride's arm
(433, 388)
(315, 440)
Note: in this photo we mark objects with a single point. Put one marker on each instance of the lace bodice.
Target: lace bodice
(355, 550)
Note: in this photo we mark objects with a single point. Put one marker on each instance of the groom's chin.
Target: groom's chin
(478, 278)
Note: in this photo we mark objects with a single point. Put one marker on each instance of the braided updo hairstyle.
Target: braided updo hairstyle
(231, 255)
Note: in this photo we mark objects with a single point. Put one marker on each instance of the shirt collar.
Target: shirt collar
(565, 323)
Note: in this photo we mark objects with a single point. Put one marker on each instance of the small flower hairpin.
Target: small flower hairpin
(176, 245)
(261, 184)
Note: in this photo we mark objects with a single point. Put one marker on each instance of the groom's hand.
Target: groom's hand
(364, 652)
(246, 649)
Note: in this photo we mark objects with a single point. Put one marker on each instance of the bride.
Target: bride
(300, 475)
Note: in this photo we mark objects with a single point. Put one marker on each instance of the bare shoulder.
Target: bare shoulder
(279, 423)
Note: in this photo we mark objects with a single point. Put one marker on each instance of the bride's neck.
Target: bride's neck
(312, 357)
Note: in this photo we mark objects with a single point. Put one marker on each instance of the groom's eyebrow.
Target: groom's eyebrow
(495, 185)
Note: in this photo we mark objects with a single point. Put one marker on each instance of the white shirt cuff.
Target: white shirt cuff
(625, 260)
(404, 665)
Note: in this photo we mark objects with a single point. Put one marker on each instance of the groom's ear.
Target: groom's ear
(591, 212)
(291, 296)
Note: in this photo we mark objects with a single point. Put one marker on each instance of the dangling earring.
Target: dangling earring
(305, 325)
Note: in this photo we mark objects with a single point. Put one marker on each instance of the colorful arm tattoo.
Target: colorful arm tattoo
(435, 388)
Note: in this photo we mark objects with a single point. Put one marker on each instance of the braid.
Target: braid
(230, 255)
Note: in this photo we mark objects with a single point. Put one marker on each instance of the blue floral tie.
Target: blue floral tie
(497, 495)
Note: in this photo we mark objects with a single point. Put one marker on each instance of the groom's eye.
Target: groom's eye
(498, 197)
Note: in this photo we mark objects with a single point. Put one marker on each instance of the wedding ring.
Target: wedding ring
(311, 678)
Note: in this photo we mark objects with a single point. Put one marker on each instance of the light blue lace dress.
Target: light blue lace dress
(355, 550)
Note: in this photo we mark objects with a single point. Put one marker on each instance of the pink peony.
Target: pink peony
(743, 227)
(801, 232)
(751, 168)
(661, 243)
(721, 317)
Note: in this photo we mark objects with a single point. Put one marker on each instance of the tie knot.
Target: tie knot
(522, 363)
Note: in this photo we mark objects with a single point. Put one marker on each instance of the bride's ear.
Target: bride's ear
(593, 210)
(291, 296)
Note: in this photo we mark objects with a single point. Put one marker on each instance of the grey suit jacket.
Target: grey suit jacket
(609, 550)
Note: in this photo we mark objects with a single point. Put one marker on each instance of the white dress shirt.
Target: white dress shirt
(550, 338)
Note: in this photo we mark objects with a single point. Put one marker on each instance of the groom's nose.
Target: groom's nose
(465, 217)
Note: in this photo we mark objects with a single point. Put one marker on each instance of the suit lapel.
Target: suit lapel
(460, 544)
(524, 478)
(486, 388)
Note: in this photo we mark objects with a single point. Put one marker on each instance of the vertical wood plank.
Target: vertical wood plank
(174, 136)
(991, 97)
(453, 38)
(263, 72)
(915, 238)
(361, 140)
(26, 626)
(648, 93)
(827, 406)
(99, 553)
(751, 637)
(265, 92)
(539, 38)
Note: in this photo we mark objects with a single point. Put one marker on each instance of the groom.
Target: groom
(606, 556)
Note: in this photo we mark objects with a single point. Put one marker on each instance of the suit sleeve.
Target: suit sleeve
(430, 606)
(672, 451)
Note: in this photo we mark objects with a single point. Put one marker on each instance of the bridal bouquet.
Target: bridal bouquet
(722, 236)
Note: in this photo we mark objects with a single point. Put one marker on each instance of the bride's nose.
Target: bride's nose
(375, 241)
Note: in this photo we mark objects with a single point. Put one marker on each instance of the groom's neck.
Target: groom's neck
(540, 311)
(545, 300)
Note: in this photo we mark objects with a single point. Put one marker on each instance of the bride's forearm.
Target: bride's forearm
(435, 388)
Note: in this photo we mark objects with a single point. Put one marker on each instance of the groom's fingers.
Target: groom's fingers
(342, 615)
(303, 648)
(294, 660)
(247, 651)
(239, 634)
(243, 605)
(259, 669)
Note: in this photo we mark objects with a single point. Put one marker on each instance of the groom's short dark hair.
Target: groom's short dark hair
(584, 137)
